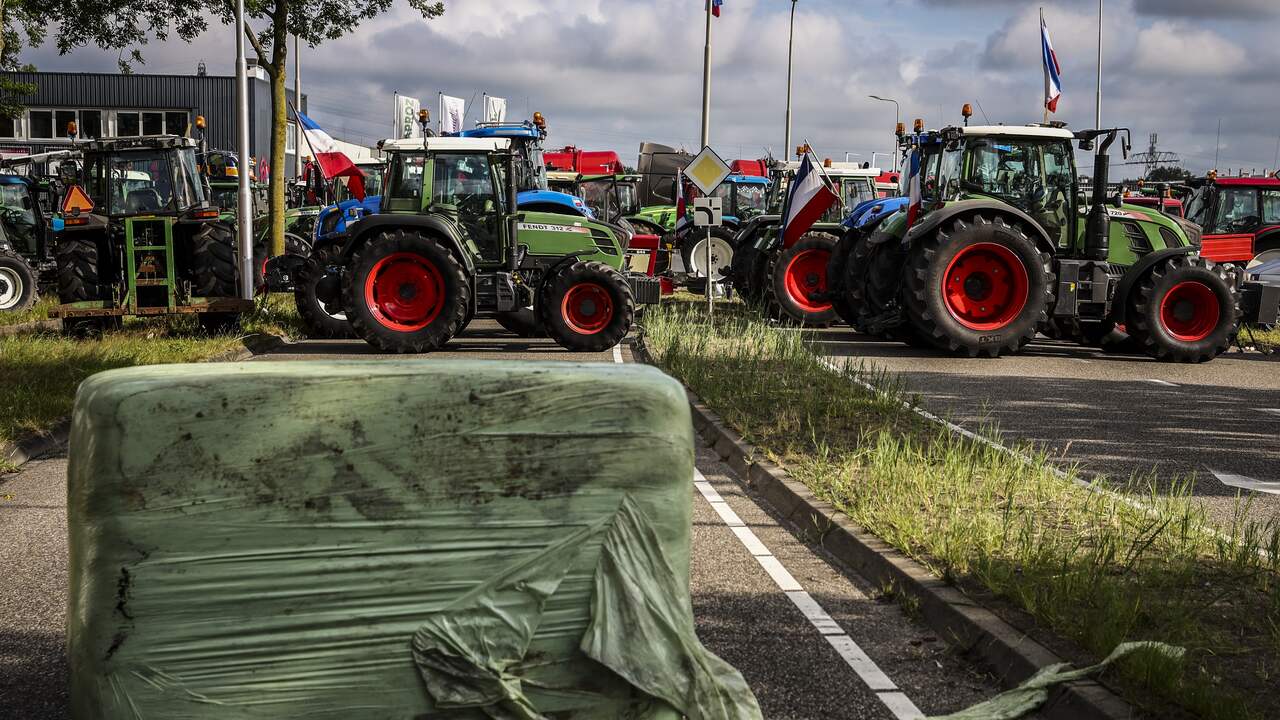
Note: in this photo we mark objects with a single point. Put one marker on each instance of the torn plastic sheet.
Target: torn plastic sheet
(1034, 691)
(264, 542)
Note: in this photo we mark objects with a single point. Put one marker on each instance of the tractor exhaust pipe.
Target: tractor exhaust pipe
(1097, 236)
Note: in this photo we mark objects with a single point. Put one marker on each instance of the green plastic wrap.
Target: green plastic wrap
(386, 540)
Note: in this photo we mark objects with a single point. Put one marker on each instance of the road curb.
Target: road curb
(33, 445)
(30, 327)
(975, 631)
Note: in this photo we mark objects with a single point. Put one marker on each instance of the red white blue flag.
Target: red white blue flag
(809, 196)
(715, 7)
(333, 163)
(913, 188)
(1052, 70)
(681, 206)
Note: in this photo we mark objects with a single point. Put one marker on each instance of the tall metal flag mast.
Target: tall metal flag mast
(1097, 107)
(297, 102)
(244, 200)
(791, 41)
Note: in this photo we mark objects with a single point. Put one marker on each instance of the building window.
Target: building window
(291, 138)
(41, 123)
(9, 127)
(127, 124)
(63, 118)
(91, 124)
(152, 123)
(175, 122)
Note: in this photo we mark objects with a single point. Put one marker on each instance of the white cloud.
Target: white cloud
(1177, 51)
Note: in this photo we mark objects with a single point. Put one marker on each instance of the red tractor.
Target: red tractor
(1240, 217)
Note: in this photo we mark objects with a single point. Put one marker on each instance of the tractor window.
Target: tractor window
(1198, 205)
(752, 199)
(190, 188)
(1237, 210)
(854, 191)
(465, 182)
(1270, 207)
(629, 199)
(135, 183)
(1050, 203)
(595, 194)
(404, 182)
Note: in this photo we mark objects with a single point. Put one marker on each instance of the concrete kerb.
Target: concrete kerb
(35, 444)
(974, 630)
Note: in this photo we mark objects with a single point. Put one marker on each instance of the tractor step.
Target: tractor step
(647, 290)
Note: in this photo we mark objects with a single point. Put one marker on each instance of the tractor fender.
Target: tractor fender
(936, 218)
(361, 231)
(1120, 300)
(1267, 239)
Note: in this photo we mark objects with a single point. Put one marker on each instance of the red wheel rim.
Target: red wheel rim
(404, 291)
(985, 286)
(587, 308)
(806, 275)
(1190, 311)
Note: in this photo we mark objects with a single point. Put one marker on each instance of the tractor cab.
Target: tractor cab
(1240, 217)
(151, 176)
(526, 141)
(743, 197)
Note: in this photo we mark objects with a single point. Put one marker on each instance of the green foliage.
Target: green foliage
(1168, 173)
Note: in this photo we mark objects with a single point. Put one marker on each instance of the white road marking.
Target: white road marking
(1246, 483)
(617, 354)
(1273, 411)
(1166, 383)
(896, 701)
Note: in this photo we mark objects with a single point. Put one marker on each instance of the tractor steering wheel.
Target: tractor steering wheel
(1244, 223)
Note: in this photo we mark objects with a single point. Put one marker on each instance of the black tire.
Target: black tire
(522, 323)
(18, 286)
(213, 262)
(796, 273)
(1185, 309)
(741, 276)
(688, 247)
(293, 245)
(874, 278)
(80, 271)
(571, 302)
(427, 266)
(985, 313)
(323, 321)
(837, 271)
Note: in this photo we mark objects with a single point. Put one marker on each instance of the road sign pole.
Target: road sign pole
(710, 300)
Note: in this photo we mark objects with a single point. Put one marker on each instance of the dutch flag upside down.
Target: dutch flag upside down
(1052, 70)
(808, 198)
(333, 162)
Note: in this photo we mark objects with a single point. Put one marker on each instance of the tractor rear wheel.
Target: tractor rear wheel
(213, 262)
(522, 323)
(1184, 310)
(17, 282)
(798, 273)
(837, 271)
(405, 293)
(80, 271)
(981, 289)
(318, 298)
(586, 307)
(693, 251)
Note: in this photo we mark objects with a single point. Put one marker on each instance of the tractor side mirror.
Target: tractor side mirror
(1117, 200)
(1086, 144)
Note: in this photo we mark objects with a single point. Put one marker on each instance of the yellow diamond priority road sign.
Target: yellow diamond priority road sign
(707, 170)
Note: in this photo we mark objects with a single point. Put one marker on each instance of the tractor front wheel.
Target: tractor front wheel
(318, 298)
(837, 271)
(405, 293)
(1184, 310)
(983, 288)
(17, 282)
(587, 307)
(693, 251)
(799, 274)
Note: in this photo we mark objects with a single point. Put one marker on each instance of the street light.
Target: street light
(897, 118)
(791, 39)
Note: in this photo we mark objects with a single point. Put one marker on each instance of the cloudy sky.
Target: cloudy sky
(609, 74)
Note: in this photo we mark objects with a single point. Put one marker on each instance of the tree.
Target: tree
(1168, 173)
(127, 25)
(11, 91)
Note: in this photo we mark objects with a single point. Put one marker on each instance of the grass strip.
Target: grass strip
(39, 373)
(38, 311)
(1088, 566)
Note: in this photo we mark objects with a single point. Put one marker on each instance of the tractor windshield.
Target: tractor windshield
(753, 198)
(17, 211)
(854, 191)
(1199, 205)
(595, 193)
(145, 182)
(628, 198)
(1024, 172)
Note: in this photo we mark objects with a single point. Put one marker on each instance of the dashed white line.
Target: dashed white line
(1270, 411)
(617, 354)
(1245, 482)
(1166, 383)
(894, 699)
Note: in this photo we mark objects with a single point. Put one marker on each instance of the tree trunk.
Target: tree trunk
(279, 123)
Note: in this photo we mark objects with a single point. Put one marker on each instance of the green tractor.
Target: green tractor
(790, 283)
(449, 242)
(140, 237)
(1005, 245)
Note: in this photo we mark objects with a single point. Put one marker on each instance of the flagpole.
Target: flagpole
(706, 82)
(1097, 107)
(315, 159)
(244, 196)
(791, 40)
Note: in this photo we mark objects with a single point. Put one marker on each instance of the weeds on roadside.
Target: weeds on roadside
(1095, 566)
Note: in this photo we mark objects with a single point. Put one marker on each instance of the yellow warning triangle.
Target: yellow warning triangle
(76, 201)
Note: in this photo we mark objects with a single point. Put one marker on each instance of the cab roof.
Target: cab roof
(841, 169)
(449, 143)
(1268, 182)
(145, 142)
(1027, 131)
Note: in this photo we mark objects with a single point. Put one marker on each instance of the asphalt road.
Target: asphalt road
(750, 577)
(1216, 425)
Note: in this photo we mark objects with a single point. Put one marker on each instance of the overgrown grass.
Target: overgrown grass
(38, 311)
(1092, 566)
(39, 373)
(1268, 339)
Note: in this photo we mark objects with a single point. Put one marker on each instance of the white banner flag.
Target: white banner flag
(495, 109)
(407, 117)
(452, 112)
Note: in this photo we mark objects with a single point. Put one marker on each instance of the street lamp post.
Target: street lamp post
(791, 39)
(897, 118)
(244, 200)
